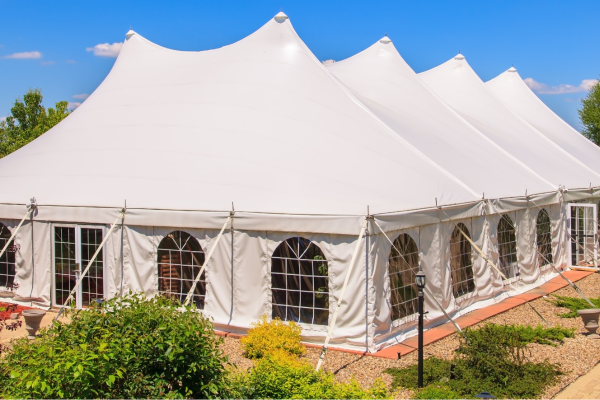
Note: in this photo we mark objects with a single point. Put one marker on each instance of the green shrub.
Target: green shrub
(279, 375)
(494, 359)
(131, 347)
(573, 304)
(265, 337)
(436, 392)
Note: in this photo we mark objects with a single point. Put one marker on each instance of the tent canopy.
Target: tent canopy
(260, 123)
(458, 85)
(382, 80)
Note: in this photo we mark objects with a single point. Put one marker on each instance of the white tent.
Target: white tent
(264, 125)
(512, 90)
(457, 84)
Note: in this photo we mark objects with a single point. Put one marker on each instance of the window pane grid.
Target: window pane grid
(544, 238)
(92, 284)
(7, 261)
(461, 267)
(64, 263)
(507, 248)
(180, 258)
(300, 283)
(402, 271)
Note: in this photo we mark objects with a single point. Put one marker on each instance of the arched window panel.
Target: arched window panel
(507, 248)
(7, 261)
(403, 266)
(300, 282)
(180, 258)
(544, 238)
(461, 263)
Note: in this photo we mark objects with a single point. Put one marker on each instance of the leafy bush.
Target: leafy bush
(494, 359)
(279, 375)
(572, 303)
(279, 372)
(436, 392)
(268, 336)
(126, 348)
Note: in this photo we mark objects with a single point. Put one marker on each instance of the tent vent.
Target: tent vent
(281, 17)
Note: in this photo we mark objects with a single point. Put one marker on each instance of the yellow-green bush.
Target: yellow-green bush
(266, 337)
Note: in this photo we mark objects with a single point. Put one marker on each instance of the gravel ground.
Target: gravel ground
(576, 356)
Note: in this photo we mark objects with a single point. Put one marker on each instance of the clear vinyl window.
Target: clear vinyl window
(7, 261)
(300, 282)
(544, 238)
(403, 266)
(180, 258)
(461, 263)
(507, 247)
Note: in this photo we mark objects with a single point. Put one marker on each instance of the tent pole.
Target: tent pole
(426, 289)
(210, 253)
(85, 271)
(339, 302)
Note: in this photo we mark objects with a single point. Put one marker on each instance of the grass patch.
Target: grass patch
(573, 304)
(494, 359)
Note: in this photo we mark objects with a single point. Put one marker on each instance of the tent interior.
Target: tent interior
(253, 179)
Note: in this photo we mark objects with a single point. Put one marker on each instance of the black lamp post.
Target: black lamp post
(420, 280)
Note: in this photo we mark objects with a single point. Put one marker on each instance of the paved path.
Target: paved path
(585, 387)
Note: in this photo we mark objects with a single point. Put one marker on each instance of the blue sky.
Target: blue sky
(52, 46)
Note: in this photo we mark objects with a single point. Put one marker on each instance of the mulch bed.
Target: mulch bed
(8, 309)
(576, 356)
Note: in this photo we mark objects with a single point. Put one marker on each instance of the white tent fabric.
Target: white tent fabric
(381, 79)
(263, 124)
(260, 123)
(458, 85)
(512, 90)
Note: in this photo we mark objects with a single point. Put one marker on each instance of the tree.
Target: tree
(590, 114)
(28, 120)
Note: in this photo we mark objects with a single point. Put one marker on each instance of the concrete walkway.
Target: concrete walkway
(585, 387)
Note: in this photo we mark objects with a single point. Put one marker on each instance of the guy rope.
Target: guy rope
(31, 207)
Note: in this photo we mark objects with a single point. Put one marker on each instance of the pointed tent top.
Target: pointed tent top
(385, 39)
(512, 69)
(459, 56)
(130, 33)
(280, 17)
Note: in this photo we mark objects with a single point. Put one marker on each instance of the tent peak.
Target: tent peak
(512, 69)
(459, 56)
(280, 17)
(130, 33)
(385, 39)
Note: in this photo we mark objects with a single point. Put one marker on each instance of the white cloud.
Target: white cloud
(2, 119)
(25, 55)
(71, 62)
(73, 105)
(82, 96)
(48, 62)
(106, 50)
(542, 88)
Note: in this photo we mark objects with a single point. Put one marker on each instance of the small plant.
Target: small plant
(435, 391)
(130, 347)
(573, 304)
(265, 337)
(493, 359)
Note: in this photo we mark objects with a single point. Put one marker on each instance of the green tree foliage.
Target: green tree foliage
(590, 114)
(28, 120)
(132, 347)
(494, 359)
